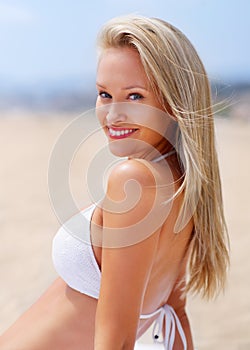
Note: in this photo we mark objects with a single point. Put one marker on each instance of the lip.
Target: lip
(120, 133)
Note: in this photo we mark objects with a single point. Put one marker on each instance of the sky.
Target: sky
(53, 41)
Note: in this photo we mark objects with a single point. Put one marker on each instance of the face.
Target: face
(128, 110)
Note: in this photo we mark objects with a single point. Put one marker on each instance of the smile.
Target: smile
(116, 133)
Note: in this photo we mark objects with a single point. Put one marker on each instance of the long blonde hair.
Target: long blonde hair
(178, 77)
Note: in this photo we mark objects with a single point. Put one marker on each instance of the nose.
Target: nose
(115, 114)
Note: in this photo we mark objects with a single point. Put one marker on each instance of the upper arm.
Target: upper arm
(131, 217)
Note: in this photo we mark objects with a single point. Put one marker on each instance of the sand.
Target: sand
(28, 223)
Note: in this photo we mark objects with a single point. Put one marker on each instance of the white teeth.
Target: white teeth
(120, 132)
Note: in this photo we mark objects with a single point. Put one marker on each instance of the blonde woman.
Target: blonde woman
(159, 232)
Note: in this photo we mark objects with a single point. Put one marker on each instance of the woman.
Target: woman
(160, 230)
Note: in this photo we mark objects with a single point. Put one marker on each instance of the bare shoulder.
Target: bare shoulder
(131, 184)
(148, 176)
(132, 169)
(133, 202)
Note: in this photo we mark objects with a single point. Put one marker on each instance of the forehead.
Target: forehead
(120, 63)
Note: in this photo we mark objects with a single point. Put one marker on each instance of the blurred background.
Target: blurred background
(48, 53)
(47, 77)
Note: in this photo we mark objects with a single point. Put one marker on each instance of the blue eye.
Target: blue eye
(135, 96)
(104, 94)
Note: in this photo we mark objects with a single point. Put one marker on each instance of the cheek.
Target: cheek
(153, 121)
(101, 114)
(151, 136)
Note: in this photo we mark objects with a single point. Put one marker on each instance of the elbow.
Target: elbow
(128, 345)
(116, 345)
(125, 343)
(115, 341)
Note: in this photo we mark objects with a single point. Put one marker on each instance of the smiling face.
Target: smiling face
(128, 110)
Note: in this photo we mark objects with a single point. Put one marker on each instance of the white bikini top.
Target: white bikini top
(73, 255)
(75, 262)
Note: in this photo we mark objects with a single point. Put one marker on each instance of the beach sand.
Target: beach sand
(28, 223)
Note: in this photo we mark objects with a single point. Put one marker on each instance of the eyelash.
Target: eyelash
(102, 93)
(105, 95)
(136, 94)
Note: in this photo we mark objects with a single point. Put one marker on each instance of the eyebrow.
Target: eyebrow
(134, 87)
(100, 85)
(127, 87)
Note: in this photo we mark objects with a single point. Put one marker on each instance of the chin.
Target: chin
(119, 151)
(122, 148)
(129, 148)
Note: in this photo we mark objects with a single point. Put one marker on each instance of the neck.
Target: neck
(163, 156)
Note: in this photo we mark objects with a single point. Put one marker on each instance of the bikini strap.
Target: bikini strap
(163, 156)
(171, 321)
